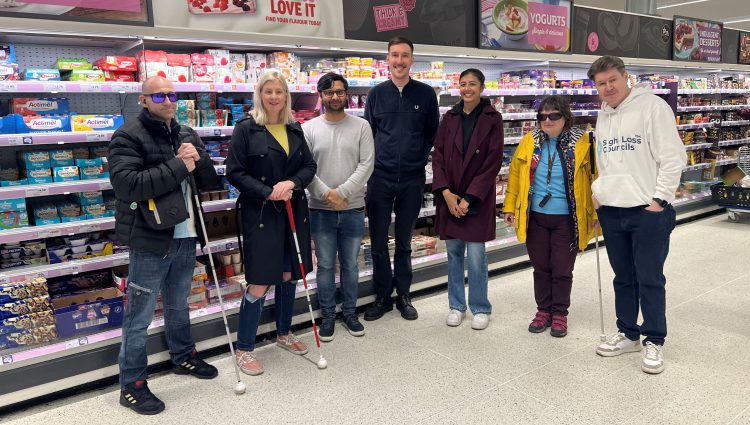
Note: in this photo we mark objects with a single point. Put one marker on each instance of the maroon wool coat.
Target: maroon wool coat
(474, 175)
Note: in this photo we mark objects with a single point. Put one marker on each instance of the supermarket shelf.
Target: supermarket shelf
(97, 263)
(713, 91)
(541, 92)
(734, 142)
(53, 230)
(708, 165)
(710, 108)
(55, 138)
(733, 123)
(61, 188)
(696, 167)
(730, 161)
(512, 140)
(225, 131)
(694, 126)
(691, 198)
(61, 138)
(222, 205)
(698, 146)
(33, 355)
(113, 87)
(68, 87)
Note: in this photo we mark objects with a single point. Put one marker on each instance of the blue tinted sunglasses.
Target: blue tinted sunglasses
(160, 97)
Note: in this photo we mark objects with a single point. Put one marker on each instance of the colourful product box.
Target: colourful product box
(68, 209)
(32, 160)
(88, 312)
(9, 72)
(27, 322)
(81, 153)
(65, 174)
(91, 168)
(27, 306)
(42, 124)
(7, 52)
(62, 158)
(98, 152)
(120, 76)
(13, 219)
(85, 75)
(25, 337)
(8, 124)
(14, 204)
(95, 122)
(117, 63)
(9, 183)
(95, 210)
(42, 75)
(11, 292)
(45, 214)
(67, 64)
(89, 197)
(29, 106)
(39, 175)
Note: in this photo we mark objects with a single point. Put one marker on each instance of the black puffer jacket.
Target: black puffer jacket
(143, 165)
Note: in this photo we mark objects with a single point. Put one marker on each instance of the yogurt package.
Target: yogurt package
(95, 122)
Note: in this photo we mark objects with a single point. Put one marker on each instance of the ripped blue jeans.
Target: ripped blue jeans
(149, 274)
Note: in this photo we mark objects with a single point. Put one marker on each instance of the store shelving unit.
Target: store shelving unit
(79, 360)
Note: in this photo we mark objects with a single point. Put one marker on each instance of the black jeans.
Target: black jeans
(637, 246)
(383, 198)
(552, 251)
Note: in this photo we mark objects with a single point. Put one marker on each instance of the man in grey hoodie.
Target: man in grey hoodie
(640, 158)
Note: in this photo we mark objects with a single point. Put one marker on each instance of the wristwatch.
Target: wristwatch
(661, 202)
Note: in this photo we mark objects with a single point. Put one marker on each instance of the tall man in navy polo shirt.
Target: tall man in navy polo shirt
(404, 117)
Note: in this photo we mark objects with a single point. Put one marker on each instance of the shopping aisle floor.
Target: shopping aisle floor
(425, 372)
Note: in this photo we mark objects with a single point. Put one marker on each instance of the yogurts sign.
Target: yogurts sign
(525, 25)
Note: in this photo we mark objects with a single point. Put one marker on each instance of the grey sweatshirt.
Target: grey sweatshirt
(344, 151)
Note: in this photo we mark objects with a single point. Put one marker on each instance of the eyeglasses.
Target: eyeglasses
(160, 97)
(553, 116)
(330, 93)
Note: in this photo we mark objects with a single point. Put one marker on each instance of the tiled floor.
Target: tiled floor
(425, 372)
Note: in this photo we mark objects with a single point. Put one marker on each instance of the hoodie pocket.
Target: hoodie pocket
(619, 190)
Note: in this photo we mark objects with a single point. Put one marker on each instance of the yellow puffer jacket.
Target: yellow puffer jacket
(519, 184)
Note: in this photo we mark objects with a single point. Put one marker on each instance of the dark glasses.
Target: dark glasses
(160, 97)
(553, 116)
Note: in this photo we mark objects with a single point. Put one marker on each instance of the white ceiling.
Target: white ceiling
(714, 10)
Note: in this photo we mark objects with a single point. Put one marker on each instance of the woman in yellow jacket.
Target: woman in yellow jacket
(548, 198)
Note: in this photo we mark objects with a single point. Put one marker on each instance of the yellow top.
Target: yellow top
(278, 131)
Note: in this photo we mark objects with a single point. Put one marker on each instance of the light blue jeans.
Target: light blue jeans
(337, 232)
(477, 264)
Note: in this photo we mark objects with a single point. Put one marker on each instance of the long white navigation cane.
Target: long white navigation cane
(239, 388)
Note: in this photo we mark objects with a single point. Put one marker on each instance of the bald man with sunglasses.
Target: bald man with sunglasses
(156, 167)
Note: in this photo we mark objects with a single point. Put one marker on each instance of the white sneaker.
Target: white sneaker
(455, 317)
(480, 321)
(653, 358)
(618, 344)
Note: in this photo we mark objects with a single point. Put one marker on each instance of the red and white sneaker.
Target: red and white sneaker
(247, 362)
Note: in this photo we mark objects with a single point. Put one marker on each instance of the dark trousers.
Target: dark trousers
(637, 246)
(552, 251)
(385, 197)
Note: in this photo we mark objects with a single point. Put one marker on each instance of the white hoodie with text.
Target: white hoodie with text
(639, 153)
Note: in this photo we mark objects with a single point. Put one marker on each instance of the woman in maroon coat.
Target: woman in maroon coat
(467, 158)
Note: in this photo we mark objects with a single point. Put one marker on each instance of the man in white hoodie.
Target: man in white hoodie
(640, 159)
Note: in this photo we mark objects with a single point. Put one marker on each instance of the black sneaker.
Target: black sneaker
(138, 397)
(196, 367)
(327, 327)
(351, 323)
(377, 310)
(408, 312)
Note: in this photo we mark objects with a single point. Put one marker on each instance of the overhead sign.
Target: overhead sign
(542, 25)
(438, 22)
(696, 40)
